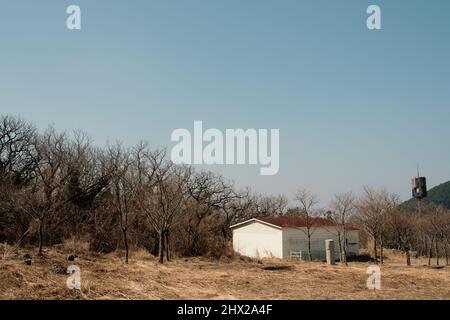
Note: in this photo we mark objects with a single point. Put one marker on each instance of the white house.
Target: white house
(283, 237)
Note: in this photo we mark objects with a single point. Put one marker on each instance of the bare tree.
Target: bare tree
(241, 208)
(16, 150)
(372, 207)
(270, 205)
(162, 201)
(48, 158)
(307, 202)
(402, 231)
(122, 189)
(54, 185)
(210, 193)
(16, 172)
(87, 179)
(437, 230)
(58, 181)
(342, 208)
(130, 170)
(446, 236)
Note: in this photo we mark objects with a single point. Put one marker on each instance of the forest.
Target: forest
(56, 186)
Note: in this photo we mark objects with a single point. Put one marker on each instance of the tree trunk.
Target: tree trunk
(418, 251)
(309, 247)
(430, 252)
(423, 250)
(408, 257)
(341, 252)
(344, 255)
(344, 249)
(446, 256)
(155, 248)
(381, 250)
(125, 243)
(41, 236)
(166, 238)
(375, 251)
(437, 252)
(194, 250)
(161, 247)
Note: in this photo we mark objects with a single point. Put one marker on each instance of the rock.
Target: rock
(71, 257)
(27, 259)
(59, 269)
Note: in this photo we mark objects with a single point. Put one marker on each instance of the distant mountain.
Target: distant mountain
(438, 195)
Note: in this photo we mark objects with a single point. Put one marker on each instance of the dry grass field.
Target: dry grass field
(107, 277)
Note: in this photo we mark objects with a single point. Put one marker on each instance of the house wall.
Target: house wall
(353, 242)
(258, 240)
(294, 239)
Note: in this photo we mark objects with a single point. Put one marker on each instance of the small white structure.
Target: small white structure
(283, 237)
(329, 251)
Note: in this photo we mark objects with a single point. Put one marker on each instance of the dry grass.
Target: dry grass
(107, 277)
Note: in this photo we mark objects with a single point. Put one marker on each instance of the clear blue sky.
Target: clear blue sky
(354, 107)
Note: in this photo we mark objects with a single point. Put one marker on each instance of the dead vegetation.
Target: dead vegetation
(65, 202)
(108, 277)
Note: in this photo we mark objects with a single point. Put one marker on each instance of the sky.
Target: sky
(354, 106)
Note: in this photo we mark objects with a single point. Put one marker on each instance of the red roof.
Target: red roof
(298, 222)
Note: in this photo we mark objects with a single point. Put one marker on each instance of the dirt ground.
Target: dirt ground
(107, 277)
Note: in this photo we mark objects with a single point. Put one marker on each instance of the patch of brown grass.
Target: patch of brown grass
(107, 277)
